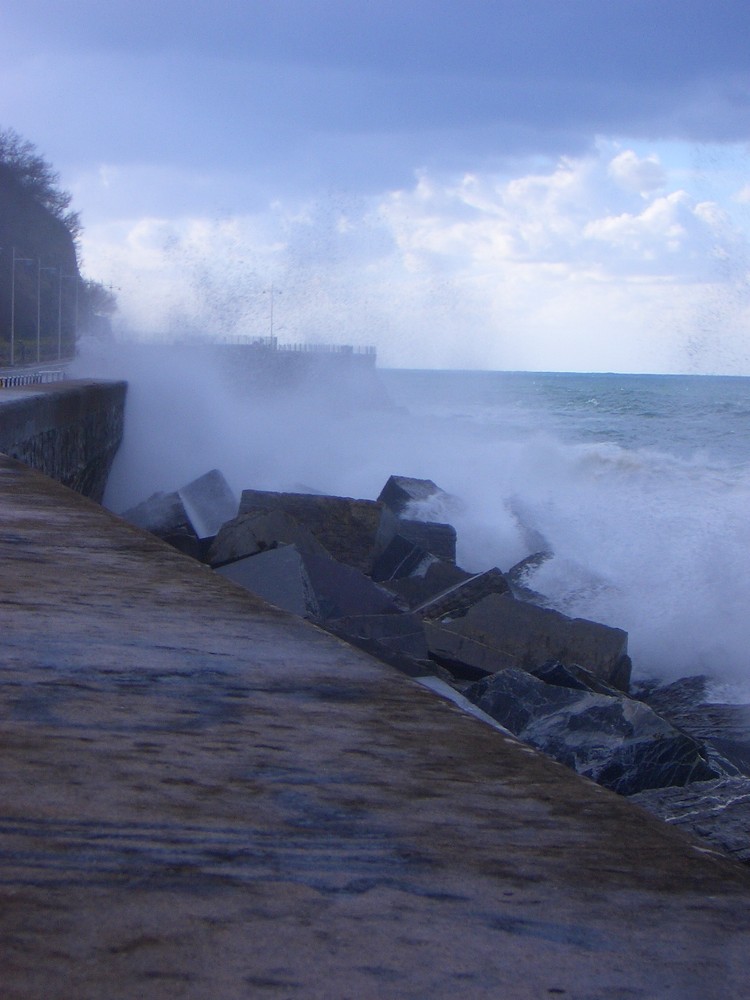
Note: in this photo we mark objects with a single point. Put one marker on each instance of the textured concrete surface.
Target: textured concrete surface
(69, 430)
(203, 797)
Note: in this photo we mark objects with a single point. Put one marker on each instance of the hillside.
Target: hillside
(44, 301)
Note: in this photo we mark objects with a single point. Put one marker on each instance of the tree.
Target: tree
(21, 162)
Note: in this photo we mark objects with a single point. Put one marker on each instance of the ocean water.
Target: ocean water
(639, 486)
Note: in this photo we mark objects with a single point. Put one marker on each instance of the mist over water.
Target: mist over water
(639, 485)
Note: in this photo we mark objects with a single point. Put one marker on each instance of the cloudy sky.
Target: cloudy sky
(523, 184)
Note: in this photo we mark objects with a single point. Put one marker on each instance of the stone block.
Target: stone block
(208, 502)
(456, 601)
(259, 531)
(500, 632)
(401, 491)
(310, 585)
(401, 633)
(162, 514)
(429, 580)
(616, 741)
(345, 527)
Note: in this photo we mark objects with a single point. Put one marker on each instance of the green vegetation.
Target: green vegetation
(45, 303)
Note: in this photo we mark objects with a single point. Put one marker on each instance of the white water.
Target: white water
(650, 537)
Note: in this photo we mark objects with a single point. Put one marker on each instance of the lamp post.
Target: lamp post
(73, 277)
(39, 307)
(16, 260)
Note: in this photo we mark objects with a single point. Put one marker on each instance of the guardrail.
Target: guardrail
(37, 378)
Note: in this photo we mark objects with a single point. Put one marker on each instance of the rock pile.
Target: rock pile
(383, 578)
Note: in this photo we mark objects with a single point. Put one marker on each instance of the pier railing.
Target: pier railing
(32, 378)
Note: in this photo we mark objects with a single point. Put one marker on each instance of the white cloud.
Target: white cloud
(640, 174)
(566, 267)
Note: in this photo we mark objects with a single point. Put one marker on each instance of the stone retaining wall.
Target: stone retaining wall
(69, 430)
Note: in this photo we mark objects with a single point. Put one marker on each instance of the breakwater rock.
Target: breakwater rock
(383, 576)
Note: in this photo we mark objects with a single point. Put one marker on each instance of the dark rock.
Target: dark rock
(499, 632)
(616, 741)
(457, 600)
(310, 585)
(162, 514)
(716, 811)
(195, 511)
(572, 676)
(401, 491)
(519, 574)
(435, 537)
(259, 531)
(345, 527)
(399, 559)
(208, 502)
(405, 547)
(403, 633)
(428, 580)
(725, 728)
(279, 576)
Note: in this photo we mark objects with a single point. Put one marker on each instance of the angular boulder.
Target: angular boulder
(428, 581)
(208, 502)
(402, 491)
(717, 811)
(195, 511)
(345, 527)
(387, 636)
(617, 742)
(500, 632)
(310, 585)
(257, 532)
(458, 599)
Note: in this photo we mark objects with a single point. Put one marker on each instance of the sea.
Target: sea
(636, 487)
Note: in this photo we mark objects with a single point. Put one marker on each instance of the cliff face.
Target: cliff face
(42, 287)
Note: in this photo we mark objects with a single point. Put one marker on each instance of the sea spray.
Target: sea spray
(636, 486)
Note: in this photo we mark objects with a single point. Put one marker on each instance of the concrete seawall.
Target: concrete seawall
(68, 430)
(202, 796)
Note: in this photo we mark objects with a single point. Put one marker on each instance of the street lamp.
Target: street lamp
(39, 307)
(75, 278)
(16, 260)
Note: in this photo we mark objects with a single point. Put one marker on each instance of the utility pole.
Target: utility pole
(16, 260)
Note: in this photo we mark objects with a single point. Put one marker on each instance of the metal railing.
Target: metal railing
(35, 378)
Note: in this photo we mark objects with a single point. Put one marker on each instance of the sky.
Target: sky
(555, 185)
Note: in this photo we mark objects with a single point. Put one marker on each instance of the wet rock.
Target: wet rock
(686, 704)
(259, 531)
(518, 577)
(456, 601)
(406, 547)
(572, 676)
(500, 632)
(310, 585)
(401, 491)
(400, 558)
(194, 512)
(396, 638)
(616, 741)
(161, 514)
(346, 528)
(716, 811)
(428, 581)
(208, 502)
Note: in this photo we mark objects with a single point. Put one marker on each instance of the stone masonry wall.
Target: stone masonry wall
(69, 430)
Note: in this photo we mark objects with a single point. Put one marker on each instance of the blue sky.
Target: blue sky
(548, 184)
